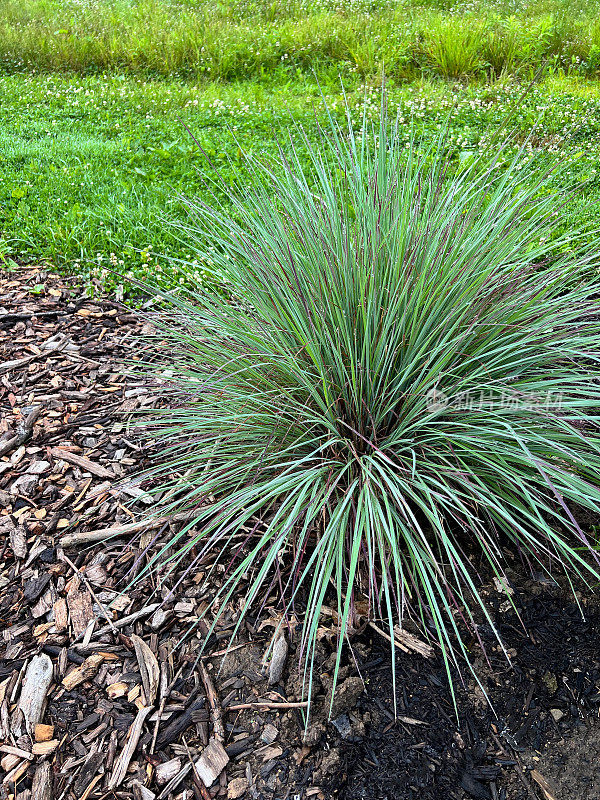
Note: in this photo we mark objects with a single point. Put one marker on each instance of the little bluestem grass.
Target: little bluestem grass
(321, 427)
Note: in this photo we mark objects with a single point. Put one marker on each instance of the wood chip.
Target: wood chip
(17, 752)
(81, 609)
(16, 773)
(237, 788)
(166, 771)
(18, 541)
(41, 787)
(269, 753)
(9, 762)
(83, 672)
(269, 734)
(278, 658)
(24, 431)
(212, 762)
(141, 792)
(89, 770)
(118, 689)
(61, 615)
(44, 748)
(43, 733)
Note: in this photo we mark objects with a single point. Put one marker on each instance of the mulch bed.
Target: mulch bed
(99, 695)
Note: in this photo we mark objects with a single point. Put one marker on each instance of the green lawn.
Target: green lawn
(94, 166)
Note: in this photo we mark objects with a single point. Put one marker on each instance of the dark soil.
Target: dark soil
(128, 708)
(544, 733)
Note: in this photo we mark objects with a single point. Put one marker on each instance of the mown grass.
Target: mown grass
(93, 166)
(95, 96)
(242, 39)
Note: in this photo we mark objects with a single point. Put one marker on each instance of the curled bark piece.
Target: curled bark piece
(149, 669)
(278, 659)
(35, 687)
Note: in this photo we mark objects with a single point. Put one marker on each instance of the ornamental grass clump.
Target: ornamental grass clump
(398, 386)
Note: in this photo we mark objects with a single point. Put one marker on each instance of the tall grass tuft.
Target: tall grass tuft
(399, 383)
(453, 49)
(261, 39)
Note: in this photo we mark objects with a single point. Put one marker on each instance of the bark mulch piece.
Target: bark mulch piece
(102, 693)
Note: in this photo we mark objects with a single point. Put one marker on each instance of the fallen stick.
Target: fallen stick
(267, 704)
(201, 787)
(16, 751)
(16, 364)
(518, 764)
(198, 783)
(226, 651)
(543, 784)
(119, 623)
(90, 537)
(19, 316)
(213, 703)
(406, 642)
(83, 463)
(24, 431)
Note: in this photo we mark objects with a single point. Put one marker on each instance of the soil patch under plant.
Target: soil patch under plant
(114, 650)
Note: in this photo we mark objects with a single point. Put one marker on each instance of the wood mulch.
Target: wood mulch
(98, 694)
(102, 693)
